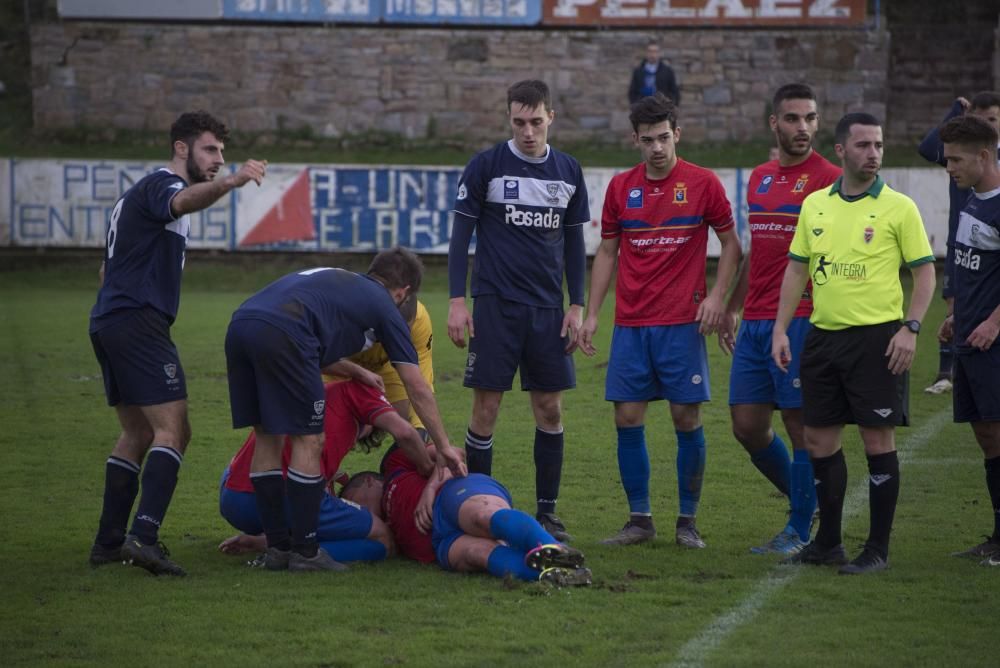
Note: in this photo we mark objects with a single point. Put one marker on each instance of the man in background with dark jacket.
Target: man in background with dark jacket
(653, 75)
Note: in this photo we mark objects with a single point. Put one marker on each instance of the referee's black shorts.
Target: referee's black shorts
(846, 378)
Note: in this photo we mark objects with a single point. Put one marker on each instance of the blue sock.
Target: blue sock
(363, 549)
(803, 494)
(690, 469)
(504, 561)
(774, 463)
(159, 478)
(633, 465)
(519, 530)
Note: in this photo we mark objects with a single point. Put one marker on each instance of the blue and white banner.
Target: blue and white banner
(306, 11)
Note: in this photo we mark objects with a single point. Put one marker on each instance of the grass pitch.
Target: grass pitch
(650, 605)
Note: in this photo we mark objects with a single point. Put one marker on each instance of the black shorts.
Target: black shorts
(976, 394)
(139, 361)
(846, 379)
(509, 336)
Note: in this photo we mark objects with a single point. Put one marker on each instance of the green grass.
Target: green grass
(647, 603)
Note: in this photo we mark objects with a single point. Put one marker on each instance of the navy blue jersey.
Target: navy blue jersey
(144, 252)
(977, 264)
(521, 207)
(340, 311)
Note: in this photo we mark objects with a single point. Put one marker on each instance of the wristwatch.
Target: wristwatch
(912, 325)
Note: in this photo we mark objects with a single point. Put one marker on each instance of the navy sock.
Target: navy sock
(359, 549)
(774, 463)
(305, 494)
(548, 468)
(690, 469)
(479, 453)
(519, 530)
(121, 485)
(159, 478)
(883, 492)
(269, 493)
(831, 486)
(946, 361)
(993, 485)
(633, 465)
(504, 561)
(802, 495)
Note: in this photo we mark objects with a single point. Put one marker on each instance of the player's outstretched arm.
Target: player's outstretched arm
(600, 282)
(407, 438)
(712, 309)
(349, 369)
(203, 195)
(425, 406)
(792, 285)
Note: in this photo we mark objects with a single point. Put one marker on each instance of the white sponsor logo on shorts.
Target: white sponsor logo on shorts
(170, 370)
(696, 379)
(318, 406)
(796, 383)
(883, 412)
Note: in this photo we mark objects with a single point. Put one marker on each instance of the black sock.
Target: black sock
(121, 485)
(305, 494)
(479, 453)
(159, 478)
(993, 485)
(269, 493)
(548, 469)
(831, 485)
(883, 492)
(946, 361)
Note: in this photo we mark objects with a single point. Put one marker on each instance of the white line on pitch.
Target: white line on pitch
(695, 651)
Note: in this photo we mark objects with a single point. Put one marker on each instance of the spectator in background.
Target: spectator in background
(653, 75)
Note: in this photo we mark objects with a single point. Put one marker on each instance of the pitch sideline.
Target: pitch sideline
(695, 651)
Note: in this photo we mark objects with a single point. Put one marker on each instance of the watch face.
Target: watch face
(913, 326)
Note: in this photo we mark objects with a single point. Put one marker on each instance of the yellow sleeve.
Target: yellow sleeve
(913, 242)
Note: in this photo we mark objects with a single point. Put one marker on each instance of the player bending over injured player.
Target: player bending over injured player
(465, 524)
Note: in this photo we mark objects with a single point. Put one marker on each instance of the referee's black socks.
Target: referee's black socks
(883, 492)
(831, 485)
(993, 485)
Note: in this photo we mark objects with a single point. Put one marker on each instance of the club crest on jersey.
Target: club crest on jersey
(510, 189)
(170, 370)
(869, 234)
(553, 190)
(765, 184)
(463, 192)
(680, 194)
(800, 185)
(634, 199)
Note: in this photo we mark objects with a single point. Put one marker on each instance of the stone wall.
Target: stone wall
(444, 83)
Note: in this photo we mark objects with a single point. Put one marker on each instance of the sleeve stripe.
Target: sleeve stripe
(920, 261)
(797, 258)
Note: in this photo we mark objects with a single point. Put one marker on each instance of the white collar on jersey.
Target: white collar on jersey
(986, 195)
(527, 158)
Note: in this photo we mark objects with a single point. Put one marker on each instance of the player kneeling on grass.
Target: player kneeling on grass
(355, 413)
(465, 524)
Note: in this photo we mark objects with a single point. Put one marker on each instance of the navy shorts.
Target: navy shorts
(846, 379)
(138, 360)
(274, 380)
(754, 377)
(660, 362)
(338, 519)
(976, 394)
(510, 335)
(451, 497)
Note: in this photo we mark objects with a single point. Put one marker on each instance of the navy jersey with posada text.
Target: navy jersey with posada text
(144, 252)
(977, 264)
(338, 311)
(521, 206)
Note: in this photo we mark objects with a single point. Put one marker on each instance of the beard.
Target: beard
(195, 172)
(788, 145)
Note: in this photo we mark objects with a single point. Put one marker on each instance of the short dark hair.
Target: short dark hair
(653, 109)
(191, 125)
(792, 91)
(849, 119)
(529, 93)
(970, 131)
(985, 100)
(358, 479)
(408, 310)
(397, 267)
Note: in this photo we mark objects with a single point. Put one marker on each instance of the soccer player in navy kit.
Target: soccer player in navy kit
(279, 341)
(970, 153)
(130, 331)
(527, 203)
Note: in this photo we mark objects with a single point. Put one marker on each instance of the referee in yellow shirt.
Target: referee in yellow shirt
(850, 241)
